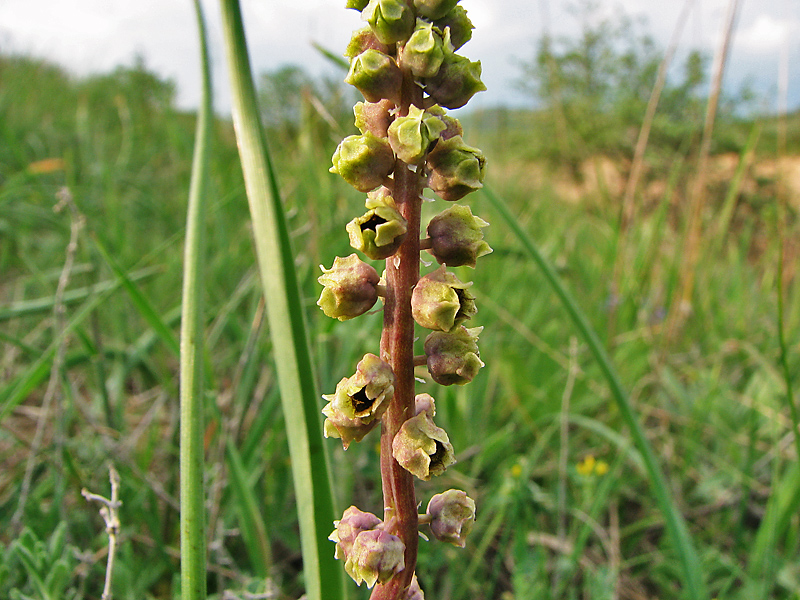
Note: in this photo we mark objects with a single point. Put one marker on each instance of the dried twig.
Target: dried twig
(628, 203)
(59, 309)
(681, 301)
(110, 513)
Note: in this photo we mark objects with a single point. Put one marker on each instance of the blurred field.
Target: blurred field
(564, 508)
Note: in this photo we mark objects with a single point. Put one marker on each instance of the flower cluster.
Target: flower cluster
(404, 63)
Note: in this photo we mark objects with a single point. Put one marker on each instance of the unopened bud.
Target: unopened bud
(373, 117)
(359, 401)
(422, 448)
(452, 515)
(391, 20)
(376, 557)
(411, 136)
(375, 75)
(364, 161)
(455, 169)
(458, 80)
(453, 357)
(379, 232)
(364, 39)
(459, 25)
(456, 237)
(352, 523)
(434, 9)
(350, 288)
(423, 53)
(441, 302)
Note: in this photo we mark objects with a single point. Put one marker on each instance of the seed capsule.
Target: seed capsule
(423, 53)
(453, 357)
(441, 302)
(412, 135)
(350, 288)
(457, 80)
(452, 515)
(421, 447)
(456, 237)
(434, 9)
(379, 232)
(459, 26)
(376, 557)
(358, 403)
(391, 20)
(364, 39)
(375, 75)
(352, 523)
(364, 161)
(455, 169)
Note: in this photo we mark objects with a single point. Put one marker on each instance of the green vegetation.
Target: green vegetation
(711, 397)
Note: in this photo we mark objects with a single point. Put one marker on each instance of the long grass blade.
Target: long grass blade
(192, 493)
(140, 300)
(15, 393)
(34, 306)
(676, 526)
(286, 322)
(254, 533)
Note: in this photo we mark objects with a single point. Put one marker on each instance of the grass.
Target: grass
(711, 401)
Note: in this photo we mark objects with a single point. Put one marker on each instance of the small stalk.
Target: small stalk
(397, 349)
(192, 493)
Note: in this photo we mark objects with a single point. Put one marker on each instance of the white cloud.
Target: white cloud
(766, 33)
(96, 35)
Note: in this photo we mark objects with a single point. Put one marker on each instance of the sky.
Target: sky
(94, 36)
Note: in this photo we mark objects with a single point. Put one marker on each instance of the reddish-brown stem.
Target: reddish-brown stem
(397, 349)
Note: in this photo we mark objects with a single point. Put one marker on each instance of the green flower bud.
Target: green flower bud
(357, 4)
(379, 232)
(455, 169)
(412, 135)
(434, 9)
(375, 75)
(459, 25)
(391, 20)
(359, 401)
(458, 80)
(456, 237)
(441, 302)
(376, 557)
(352, 523)
(350, 288)
(363, 39)
(452, 515)
(422, 448)
(364, 161)
(452, 125)
(373, 117)
(453, 357)
(423, 53)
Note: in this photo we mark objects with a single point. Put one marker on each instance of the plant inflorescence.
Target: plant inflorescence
(404, 62)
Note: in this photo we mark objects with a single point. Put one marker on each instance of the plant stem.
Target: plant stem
(397, 349)
(193, 517)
